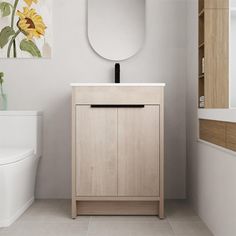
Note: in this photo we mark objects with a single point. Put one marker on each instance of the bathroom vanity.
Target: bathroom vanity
(118, 149)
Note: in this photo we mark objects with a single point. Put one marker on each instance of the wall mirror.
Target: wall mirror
(116, 28)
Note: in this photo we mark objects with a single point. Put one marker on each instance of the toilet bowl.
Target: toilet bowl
(20, 150)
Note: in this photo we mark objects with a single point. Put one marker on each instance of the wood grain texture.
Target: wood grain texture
(118, 95)
(162, 159)
(231, 136)
(117, 208)
(118, 198)
(139, 151)
(213, 132)
(219, 132)
(216, 58)
(96, 151)
(73, 160)
(201, 32)
(216, 4)
(201, 5)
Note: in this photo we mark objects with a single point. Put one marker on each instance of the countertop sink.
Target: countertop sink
(118, 85)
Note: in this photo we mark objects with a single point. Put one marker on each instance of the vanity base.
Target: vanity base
(118, 150)
(101, 207)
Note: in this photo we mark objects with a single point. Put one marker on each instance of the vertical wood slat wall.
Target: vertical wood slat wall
(213, 84)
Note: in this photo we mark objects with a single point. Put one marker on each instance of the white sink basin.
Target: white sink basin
(119, 85)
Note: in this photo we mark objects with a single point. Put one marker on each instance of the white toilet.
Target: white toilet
(20, 150)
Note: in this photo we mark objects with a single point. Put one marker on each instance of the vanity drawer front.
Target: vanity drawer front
(118, 95)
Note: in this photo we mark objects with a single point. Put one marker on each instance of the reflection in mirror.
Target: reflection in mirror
(116, 28)
(233, 53)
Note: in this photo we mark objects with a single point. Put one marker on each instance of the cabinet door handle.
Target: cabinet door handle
(117, 106)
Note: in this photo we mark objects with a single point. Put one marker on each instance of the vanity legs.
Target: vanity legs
(73, 209)
(161, 210)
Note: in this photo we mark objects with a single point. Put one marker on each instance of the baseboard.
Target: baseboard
(12, 219)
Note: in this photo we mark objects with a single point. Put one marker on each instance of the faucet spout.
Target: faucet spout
(117, 73)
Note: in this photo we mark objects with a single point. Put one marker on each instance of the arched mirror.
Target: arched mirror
(116, 28)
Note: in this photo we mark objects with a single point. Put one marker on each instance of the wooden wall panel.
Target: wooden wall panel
(218, 132)
(216, 58)
(216, 4)
(231, 136)
(213, 132)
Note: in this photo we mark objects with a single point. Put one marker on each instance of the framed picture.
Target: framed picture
(25, 28)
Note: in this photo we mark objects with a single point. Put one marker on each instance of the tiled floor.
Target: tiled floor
(52, 218)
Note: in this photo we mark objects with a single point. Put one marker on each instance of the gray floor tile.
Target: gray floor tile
(46, 229)
(129, 226)
(137, 219)
(52, 217)
(50, 211)
(190, 229)
(179, 210)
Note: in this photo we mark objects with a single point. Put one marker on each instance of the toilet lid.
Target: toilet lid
(11, 155)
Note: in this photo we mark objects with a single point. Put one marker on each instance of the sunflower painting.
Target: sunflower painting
(25, 28)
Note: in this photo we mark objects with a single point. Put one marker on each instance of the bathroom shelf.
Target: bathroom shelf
(201, 45)
(201, 13)
(201, 49)
(201, 5)
(213, 50)
(201, 76)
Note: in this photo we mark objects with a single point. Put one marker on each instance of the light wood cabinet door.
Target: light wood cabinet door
(138, 151)
(96, 151)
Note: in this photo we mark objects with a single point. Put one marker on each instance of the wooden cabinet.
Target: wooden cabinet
(213, 85)
(118, 150)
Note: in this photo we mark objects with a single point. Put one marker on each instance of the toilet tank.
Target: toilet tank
(21, 129)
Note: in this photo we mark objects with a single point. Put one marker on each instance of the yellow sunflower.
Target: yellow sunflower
(30, 23)
(29, 2)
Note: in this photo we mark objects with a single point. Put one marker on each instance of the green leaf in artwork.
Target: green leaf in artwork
(5, 8)
(30, 47)
(5, 35)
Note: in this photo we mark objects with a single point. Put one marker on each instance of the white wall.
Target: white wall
(211, 171)
(44, 85)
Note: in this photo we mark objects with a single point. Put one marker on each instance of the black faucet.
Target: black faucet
(117, 73)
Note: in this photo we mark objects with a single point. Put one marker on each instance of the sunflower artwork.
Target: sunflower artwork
(25, 28)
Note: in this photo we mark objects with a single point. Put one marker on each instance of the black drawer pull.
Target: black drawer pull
(117, 106)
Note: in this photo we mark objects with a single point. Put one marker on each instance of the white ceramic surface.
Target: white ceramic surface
(119, 85)
(20, 149)
(227, 115)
